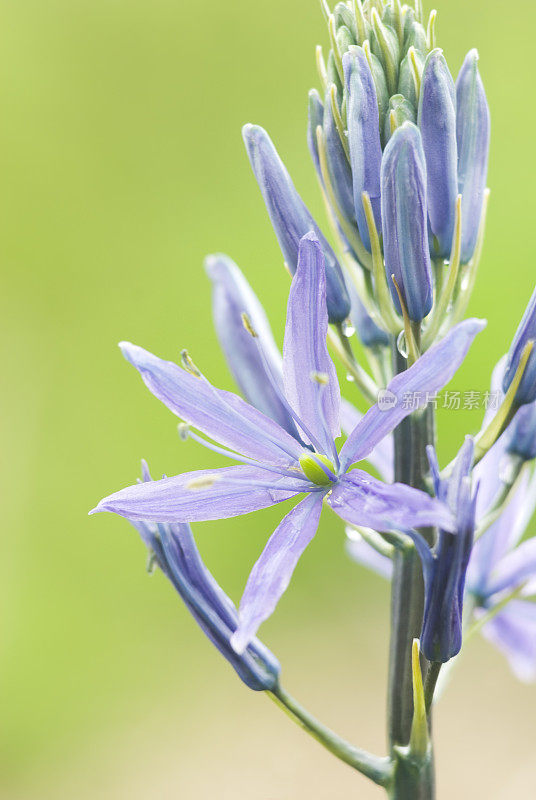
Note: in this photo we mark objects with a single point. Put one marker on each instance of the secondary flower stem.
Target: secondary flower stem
(373, 767)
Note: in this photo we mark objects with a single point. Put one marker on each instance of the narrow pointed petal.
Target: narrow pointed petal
(526, 392)
(305, 352)
(365, 501)
(383, 455)
(473, 133)
(202, 495)
(232, 297)
(271, 574)
(223, 416)
(427, 376)
(437, 122)
(363, 137)
(404, 220)
(290, 217)
(513, 632)
(213, 610)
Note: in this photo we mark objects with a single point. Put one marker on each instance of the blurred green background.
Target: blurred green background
(122, 164)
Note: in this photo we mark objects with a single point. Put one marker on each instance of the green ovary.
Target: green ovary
(313, 471)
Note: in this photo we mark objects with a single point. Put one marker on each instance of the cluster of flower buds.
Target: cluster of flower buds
(401, 153)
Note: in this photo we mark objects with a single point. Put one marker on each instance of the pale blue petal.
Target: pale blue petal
(427, 376)
(271, 574)
(202, 495)
(365, 501)
(305, 352)
(223, 416)
(383, 455)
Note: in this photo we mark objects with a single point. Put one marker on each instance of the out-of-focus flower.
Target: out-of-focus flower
(502, 566)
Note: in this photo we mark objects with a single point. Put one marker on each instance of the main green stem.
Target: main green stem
(407, 604)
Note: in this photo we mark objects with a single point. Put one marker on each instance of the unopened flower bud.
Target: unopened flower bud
(400, 111)
(472, 132)
(290, 217)
(522, 433)
(315, 118)
(405, 232)
(367, 330)
(526, 332)
(437, 122)
(363, 137)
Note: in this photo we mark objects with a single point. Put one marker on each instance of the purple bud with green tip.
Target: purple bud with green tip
(405, 231)
(363, 137)
(290, 217)
(437, 123)
(473, 134)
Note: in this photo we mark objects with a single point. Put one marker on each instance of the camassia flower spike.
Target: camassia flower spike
(275, 465)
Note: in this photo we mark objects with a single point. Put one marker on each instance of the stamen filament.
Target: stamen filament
(243, 459)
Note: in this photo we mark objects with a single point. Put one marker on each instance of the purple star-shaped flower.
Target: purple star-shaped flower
(277, 465)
